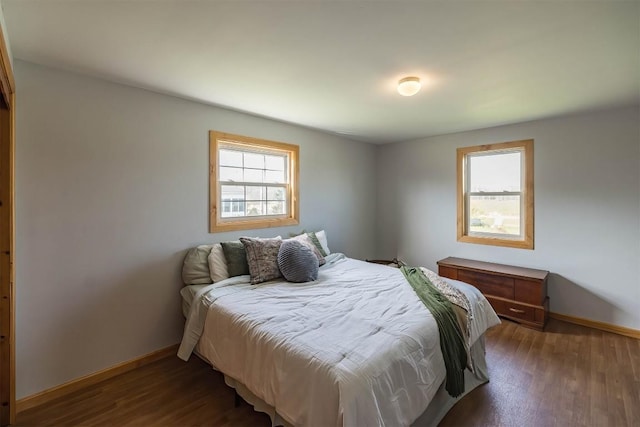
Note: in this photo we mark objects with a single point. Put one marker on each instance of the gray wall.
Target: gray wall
(587, 208)
(112, 188)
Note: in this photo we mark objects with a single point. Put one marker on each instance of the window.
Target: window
(495, 194)
(253, 183)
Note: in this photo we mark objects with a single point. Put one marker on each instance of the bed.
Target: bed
(355, 347)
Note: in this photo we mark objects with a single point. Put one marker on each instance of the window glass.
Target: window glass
(495, 172)
(254, 175)
(230, 158)
(274, 163)
(254, 161)
(228, 174)
(495, 214)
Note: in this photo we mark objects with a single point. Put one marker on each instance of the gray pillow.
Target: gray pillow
(262, 257)
(236, 258)
(297, 262)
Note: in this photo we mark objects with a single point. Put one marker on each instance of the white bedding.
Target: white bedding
(356, 347)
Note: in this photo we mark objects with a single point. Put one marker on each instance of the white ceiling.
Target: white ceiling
(333, 65)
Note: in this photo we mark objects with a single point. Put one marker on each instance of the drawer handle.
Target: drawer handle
(515, 310)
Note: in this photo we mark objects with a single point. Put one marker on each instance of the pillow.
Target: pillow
(297, 262)
(195, 268)
(306, 240)
(217, 264)
(322, 238)
(262, 257)
(314, 239)
(324, 250)
(236, 258)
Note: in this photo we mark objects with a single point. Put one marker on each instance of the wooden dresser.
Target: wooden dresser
(517, 293)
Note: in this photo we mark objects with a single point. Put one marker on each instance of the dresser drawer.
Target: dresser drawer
(497, 304)
(488, 284)
(518, 311)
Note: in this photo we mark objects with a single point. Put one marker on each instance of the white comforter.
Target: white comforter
(356, 347)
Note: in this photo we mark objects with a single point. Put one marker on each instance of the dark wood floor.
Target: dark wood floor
(568, 375)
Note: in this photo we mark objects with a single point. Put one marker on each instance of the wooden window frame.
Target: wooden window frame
(216, 223)
(463, 234)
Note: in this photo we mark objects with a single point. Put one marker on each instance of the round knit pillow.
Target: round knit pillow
(297, 262)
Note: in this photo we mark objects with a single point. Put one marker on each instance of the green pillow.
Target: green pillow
(236, 257)
(316, 242)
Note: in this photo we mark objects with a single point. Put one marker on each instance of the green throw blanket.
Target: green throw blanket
(451, 338)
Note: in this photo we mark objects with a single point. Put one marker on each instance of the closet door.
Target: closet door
(7, 238)
(7, 387)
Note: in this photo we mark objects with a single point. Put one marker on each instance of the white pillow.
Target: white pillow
(217, 264)
(322, 238)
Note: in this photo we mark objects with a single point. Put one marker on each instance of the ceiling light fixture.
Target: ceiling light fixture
(409, 86)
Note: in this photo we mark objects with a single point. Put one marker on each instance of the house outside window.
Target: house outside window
(495, 194)
(253, 183)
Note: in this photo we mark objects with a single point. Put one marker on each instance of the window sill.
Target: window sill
(496, 241)
(219, 227)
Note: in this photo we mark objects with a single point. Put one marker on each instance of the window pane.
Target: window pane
(495, 214)
(230, 174)
(495, 172)
(276, 177)
(253, 175)
(253, 160)
(232, 198)
(255, 208)
(232, 192)
(275, 193)
(232, 209)
(274, 162)
(255, 193)
(275, 208)
(230, 158)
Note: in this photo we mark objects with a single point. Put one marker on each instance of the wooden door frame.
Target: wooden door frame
(7, 237)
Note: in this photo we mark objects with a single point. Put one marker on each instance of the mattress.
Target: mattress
(355, 347)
